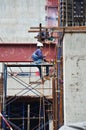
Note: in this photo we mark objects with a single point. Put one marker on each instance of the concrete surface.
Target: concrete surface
(74, 55)
(16, 17)
(77, 126)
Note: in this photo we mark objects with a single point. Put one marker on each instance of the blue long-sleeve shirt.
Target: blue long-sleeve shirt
(38, 54)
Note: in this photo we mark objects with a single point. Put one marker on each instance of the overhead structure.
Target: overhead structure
(72, 12)
(22, 52)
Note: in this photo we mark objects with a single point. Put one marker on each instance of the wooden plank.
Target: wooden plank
(61, 29)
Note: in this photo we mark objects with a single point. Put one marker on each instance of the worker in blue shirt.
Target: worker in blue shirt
(38, 56)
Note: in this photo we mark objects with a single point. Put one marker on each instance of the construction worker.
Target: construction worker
(38, 56)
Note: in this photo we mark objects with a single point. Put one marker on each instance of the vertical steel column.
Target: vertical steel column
(4, 93)
(59, 90)
(59, 23)
(40, 27)
(60, 81)
(1, 95)
(44, 113)
(55, 97)
(42, 125)
(66, 13)
(72, 14)
(23, 116)
(56, 103)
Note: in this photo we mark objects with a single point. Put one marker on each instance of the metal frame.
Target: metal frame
(7, 103)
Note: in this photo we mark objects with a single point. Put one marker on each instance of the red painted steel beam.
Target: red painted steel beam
(22, 52)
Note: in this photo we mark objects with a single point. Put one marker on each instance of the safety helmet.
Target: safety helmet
(39, 44)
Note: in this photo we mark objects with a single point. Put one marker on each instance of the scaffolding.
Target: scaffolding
(31, 104)
(35, 106)
(9, 101)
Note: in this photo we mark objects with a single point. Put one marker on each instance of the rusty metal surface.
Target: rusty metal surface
(52, 2)
(22, 52)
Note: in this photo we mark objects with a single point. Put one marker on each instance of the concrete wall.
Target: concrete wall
(74, 55)
(17, 16)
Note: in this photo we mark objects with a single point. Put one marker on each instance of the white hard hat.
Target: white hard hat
(39, 44)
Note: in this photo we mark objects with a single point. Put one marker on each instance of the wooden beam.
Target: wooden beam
(33, 31)
(61, 29)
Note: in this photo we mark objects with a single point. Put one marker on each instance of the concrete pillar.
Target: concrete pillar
(74, 55)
